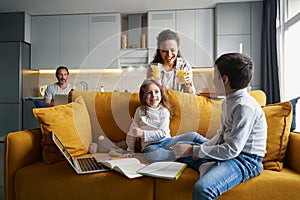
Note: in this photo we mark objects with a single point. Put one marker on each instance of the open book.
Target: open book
(167, 170)
(126, 166)
(133, 168)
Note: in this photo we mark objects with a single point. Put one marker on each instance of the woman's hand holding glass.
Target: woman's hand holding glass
(188, 78)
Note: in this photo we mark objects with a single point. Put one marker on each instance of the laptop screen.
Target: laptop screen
(62, 148)
(60, 99)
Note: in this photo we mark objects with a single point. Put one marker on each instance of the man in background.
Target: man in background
(60, 87)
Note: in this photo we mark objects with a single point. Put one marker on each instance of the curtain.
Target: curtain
(269, 62)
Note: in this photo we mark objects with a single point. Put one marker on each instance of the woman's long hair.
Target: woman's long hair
(164, 36)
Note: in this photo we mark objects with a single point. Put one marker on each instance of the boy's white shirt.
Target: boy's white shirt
(247, 133)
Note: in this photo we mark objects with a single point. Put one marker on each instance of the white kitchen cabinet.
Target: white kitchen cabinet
(233, 18)
(73, 41)
(158, 21)
(204, 38)
(186, 30)
(233, 28)
(233, 43)
(104, 40)
(238, 29)
(44, 42)
(195, 29)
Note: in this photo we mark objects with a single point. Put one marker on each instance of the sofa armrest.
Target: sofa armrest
(293, 152)
(21, 148)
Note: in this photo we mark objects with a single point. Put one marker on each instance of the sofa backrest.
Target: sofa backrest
(111, 112)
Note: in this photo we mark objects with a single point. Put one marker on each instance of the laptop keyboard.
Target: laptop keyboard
(88, 164)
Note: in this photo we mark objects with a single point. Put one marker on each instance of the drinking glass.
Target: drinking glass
(156, 69)
(180, 75)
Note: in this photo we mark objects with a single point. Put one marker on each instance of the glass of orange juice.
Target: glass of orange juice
(156, 69)
(180, 75)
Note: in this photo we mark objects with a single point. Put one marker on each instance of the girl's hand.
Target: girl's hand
(182, 150)
(138, 132)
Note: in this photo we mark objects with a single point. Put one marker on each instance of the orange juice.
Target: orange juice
(155, 71)
(180, 75)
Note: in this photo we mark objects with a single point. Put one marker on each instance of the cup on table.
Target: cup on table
(156, 69)
(180, 75)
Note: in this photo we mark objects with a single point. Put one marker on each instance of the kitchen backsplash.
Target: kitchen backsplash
(129, 79)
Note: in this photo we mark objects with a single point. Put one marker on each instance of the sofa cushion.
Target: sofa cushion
(194, 113)
(259, 96)
(110, 112)
(71, 123)
(279, 119)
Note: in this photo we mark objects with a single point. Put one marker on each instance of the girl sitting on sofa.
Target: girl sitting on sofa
(151, 125)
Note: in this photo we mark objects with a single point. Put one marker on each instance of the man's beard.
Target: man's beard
(62, 81)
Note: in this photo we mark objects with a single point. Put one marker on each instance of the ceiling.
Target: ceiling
(51, 7)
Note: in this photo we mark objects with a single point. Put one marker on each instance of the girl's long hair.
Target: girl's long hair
(164, 96)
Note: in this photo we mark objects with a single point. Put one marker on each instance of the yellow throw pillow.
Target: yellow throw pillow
(279, 119)
(110, 112)
(71, 123)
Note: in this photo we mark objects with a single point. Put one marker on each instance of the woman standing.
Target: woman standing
(168, 54)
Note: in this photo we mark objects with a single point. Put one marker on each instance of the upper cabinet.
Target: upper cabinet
(238, 29)
(204, 38)
(73, 40)
(44, 42)
(158, 21)
(195, 29)
(104, 40)
(76, 41)
(15, 26)
(233, 27)
(186, 30)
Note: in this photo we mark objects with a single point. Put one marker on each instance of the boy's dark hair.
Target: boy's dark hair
(164, 36)
(59, 68)
(238, 67)
(164, 96)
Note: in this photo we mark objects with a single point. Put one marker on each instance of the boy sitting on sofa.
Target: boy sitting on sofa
(235, 153)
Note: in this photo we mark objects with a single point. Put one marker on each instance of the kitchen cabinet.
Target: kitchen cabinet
(133, 57)
(15, 57)
(73, 41)
(233, 28)
(15, 26)
(195, 28)
(77, 41)
(158, 21)
(238, 29)
(44, 42)
(204, 38)
(186, 30)
(104, 40)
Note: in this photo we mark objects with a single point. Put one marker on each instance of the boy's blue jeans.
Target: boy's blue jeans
(224, 175)
(221, 177)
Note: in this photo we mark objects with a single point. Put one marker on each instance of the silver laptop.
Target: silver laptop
(60, 99)
(82, 165)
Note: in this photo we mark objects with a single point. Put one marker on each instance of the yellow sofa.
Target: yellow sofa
(34, 170)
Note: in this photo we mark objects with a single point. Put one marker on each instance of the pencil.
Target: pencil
(134, 125)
